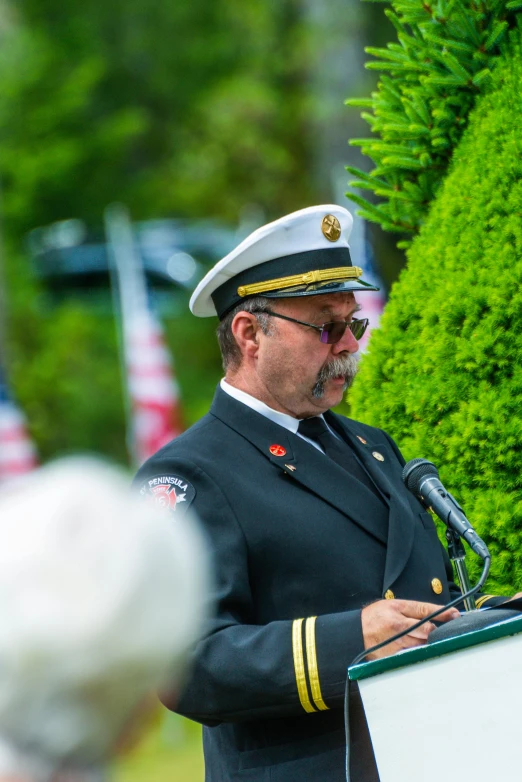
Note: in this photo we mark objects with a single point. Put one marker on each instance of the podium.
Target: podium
(450, 710)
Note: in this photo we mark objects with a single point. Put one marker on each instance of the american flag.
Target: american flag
(17, 453)
(153, 391)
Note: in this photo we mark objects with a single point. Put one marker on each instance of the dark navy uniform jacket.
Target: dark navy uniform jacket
(300, 547)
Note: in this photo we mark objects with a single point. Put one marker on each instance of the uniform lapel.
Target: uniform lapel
(387, 475)
(303, 463)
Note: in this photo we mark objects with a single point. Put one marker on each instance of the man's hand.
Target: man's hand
(385, 618)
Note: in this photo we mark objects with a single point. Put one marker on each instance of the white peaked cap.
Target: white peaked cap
(102, 598)
(310, 240)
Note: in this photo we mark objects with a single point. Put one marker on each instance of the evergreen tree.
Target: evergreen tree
(444, 373)
(432, 77)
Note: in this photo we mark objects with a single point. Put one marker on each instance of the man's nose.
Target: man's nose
(346, 343)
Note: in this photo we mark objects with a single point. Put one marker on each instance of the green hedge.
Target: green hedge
(444, 373)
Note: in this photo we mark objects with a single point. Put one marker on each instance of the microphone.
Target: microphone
(422, 479)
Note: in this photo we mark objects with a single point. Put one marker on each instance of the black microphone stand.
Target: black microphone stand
(458, 557)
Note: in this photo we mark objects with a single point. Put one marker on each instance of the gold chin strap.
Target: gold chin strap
(323, 275)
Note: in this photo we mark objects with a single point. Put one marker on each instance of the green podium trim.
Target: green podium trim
(419, 654)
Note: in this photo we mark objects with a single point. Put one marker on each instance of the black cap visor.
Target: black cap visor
(317, 288)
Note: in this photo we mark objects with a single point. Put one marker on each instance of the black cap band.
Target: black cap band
(226, 296)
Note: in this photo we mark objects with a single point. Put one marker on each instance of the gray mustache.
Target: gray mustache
(345, 366)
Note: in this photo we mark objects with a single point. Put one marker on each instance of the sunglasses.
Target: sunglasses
(331, 332)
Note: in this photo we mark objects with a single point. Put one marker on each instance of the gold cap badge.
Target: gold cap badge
(436, 585)
(331, 228)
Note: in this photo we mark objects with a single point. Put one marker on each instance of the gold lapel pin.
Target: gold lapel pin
(378, 456)
(363, 441)
(290, 467)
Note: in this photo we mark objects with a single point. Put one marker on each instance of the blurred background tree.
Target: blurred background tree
(202, 109)
(162, 107)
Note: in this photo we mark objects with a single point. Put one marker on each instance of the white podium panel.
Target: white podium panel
(450, 711)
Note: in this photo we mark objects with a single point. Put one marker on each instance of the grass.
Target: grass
(171, 749)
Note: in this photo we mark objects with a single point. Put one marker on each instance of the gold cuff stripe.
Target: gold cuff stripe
(480, 602)
(297, 644)
(311, 656)
(322, 275)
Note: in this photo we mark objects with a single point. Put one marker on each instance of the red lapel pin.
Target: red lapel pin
(277, 450)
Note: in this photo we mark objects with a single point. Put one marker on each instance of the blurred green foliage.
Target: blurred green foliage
(444, 374)
(171, 107)
(171, 749)
(431, 79)
(175, 109)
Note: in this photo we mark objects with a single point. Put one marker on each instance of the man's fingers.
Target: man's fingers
(386, 618)
(409, 642)
(422, 632)
(451, 613)
(416, 610)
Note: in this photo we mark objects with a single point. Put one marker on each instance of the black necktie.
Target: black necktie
(339, 451)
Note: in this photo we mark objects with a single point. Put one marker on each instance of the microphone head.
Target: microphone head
(414, 472)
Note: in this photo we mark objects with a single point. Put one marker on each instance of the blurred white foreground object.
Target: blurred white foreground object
(102, 598)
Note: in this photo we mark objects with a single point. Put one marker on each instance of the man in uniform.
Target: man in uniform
(320, 551)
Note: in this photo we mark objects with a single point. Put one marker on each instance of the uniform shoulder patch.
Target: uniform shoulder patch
(171, 492)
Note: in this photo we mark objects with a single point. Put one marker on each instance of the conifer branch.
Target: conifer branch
(431, 77)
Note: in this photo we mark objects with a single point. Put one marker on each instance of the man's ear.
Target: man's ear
(245, 328)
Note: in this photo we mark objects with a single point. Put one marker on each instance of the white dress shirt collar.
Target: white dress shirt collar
(283, 419)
